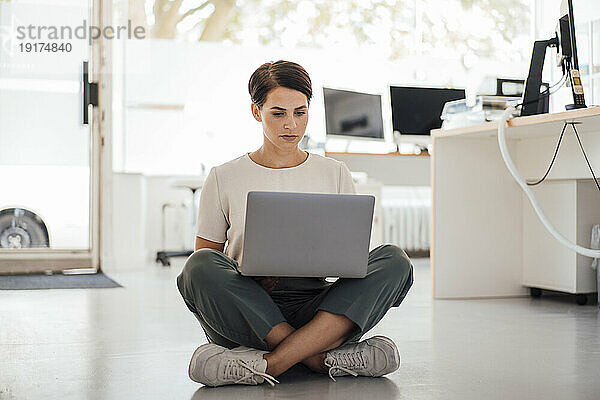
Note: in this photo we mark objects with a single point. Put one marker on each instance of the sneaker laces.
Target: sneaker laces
(235, 368)
(346, 362)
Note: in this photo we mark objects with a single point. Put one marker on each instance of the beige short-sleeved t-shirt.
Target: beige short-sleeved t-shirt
(222, 212)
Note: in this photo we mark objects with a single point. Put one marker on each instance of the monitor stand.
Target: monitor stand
(533, 102)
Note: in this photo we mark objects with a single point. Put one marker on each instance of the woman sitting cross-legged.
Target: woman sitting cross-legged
(258, 328)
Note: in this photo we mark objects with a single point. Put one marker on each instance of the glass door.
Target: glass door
(48, 198)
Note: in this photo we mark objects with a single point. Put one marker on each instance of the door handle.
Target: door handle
(90, 93)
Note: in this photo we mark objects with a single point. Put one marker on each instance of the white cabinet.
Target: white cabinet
(486, 241)
(573, 207)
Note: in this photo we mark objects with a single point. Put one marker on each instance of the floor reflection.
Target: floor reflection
(300, 383)
(136, 343)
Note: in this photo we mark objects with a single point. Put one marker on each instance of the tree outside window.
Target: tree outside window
(465, 29)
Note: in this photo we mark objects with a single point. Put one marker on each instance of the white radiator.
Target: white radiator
(407, 216)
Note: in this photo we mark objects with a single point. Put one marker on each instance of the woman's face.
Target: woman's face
(284, 117)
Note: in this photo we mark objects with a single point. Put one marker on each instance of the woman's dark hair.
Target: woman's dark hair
(279, 73)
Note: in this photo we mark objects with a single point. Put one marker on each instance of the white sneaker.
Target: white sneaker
(376, 356)
(215, 365)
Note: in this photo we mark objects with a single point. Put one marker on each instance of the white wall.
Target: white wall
(136, 229)
(128, 223)
(390, 170)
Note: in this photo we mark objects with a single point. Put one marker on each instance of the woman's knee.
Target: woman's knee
(399, 265)
(200, 267)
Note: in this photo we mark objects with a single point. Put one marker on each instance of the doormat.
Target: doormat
(57, 281)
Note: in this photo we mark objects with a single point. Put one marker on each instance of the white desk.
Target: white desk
(486, 240)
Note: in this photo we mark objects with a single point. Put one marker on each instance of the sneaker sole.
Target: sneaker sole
(204, 348)
(393, 345)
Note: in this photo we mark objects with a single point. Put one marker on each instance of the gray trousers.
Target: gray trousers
(234, 310)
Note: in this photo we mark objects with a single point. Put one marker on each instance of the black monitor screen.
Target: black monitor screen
(353, 114)
(416, 111)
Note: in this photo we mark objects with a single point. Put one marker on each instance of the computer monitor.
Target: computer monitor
(565, 31)
(565, 43)
(353, 115)
(568, 48)
(417, 110)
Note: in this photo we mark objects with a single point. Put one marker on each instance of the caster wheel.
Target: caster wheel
(581, 299)
(535, 292)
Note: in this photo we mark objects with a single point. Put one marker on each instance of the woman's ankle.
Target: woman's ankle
(316, 363)
(272, 365)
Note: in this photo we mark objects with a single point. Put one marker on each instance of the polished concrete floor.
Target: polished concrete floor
(135, 343)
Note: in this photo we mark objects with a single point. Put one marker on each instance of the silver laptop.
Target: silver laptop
(291, 234)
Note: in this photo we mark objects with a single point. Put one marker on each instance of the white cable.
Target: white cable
(513, 170)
